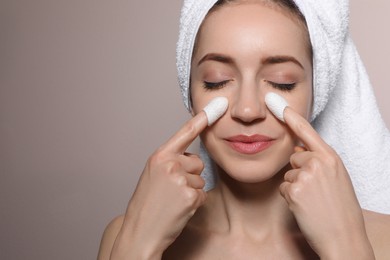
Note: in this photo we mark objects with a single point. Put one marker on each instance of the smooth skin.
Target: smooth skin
(293, 200)
(136, 236)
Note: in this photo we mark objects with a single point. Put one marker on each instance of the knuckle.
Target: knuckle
(305, 177)
(295, 192)
(199, 182)
(314, 164)
(196, 165)
(180, 180)
(172, 166)
(157, 157)
(190, 196)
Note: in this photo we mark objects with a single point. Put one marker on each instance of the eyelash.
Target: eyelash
(215, 85)
(221, 84)
(282, 86)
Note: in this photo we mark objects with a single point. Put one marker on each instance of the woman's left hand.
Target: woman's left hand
(320, 194)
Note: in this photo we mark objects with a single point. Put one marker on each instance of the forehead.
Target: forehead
(247, 27)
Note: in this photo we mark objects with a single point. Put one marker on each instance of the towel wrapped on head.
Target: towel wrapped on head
(344, 113)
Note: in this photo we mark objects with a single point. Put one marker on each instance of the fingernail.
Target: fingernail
(276, 104)
(215, 109)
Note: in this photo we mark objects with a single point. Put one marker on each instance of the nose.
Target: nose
(248, 105)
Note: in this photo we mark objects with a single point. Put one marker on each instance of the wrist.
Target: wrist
(131, 247)
(354, 248)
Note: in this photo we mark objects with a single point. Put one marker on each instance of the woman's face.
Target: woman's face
(243, 52)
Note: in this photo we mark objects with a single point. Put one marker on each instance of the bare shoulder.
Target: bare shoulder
(108, 238)
(378, 230)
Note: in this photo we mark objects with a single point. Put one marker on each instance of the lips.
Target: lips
(249, 144)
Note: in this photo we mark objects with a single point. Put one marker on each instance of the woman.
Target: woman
(282, 192)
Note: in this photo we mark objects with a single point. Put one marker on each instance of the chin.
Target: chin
(251, 172)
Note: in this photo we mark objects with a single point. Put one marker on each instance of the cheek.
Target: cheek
(198, 100)
(301, 102)
(197, 106)
(205, 136)
(201, 98)
(211, 133)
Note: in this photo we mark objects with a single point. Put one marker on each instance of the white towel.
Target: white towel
(345, 112)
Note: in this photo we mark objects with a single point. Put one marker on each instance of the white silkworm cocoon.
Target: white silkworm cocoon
(215, 109)
(276, 104)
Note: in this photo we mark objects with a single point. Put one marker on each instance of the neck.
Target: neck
(252, 208)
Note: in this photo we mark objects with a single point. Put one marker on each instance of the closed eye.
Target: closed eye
(282, 86)
(214, 85)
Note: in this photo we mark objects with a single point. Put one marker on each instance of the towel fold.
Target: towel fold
(345, 112)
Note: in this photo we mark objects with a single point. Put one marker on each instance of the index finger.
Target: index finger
(188, 133)
(180, 141)
(304, 131)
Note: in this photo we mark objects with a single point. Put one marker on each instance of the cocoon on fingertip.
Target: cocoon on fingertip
(215, 109)
(276, 104)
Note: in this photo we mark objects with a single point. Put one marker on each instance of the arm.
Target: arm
(109, 236)
(378, 231)
(117, 243)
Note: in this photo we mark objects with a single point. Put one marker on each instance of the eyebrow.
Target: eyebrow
(281, 59)
(216, 57)
(266, 61)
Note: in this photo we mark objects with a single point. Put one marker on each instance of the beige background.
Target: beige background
(87, 91)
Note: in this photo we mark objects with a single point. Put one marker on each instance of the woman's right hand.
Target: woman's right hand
(320, 194)
(168, 193)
